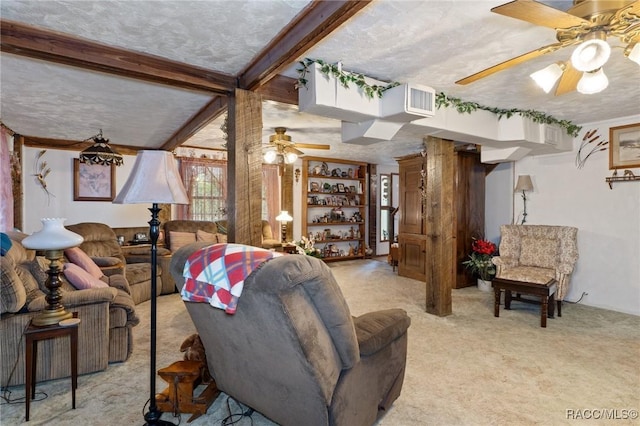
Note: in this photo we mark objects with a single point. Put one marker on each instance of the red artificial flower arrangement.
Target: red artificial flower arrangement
(480, 259)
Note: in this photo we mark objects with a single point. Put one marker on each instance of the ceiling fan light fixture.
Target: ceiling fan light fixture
(547, 77)
(270, 156)
(290, 157)
(592, 53)
(633, 53)
(593, 82)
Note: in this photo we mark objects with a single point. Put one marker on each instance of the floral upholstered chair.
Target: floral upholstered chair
(537, 253)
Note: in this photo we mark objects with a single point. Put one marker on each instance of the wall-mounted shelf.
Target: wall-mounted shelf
(612, 179)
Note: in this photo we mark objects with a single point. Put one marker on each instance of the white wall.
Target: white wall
(36, 205)
(498, 200)
(608, 220)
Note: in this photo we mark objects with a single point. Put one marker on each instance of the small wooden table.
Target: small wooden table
(33, 334)
(546, 292)
(183, 377)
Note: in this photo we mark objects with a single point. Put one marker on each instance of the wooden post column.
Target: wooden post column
(440, 219)
(244, 168)
(286, 198)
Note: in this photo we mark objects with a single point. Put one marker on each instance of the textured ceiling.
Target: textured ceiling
(433, 43)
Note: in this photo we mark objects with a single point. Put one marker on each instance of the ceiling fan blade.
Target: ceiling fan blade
(569, 80)
(511, 62)
(539, 14)
(294, 150)
(313, 145)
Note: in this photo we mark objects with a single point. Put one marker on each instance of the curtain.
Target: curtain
(206, 183)
(271, 196)
(6, 182)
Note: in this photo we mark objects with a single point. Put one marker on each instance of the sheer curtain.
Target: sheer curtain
(271, 196)
(206, 183)
(6, 182)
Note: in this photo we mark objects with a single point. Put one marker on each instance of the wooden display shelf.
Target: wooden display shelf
(337, 240)
(334, 223)
(337, 258)
(331, 205)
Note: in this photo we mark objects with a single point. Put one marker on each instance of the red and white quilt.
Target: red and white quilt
(216, 274)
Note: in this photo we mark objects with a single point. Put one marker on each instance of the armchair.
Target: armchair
(293, 352)
(537, 253)
(100, 241)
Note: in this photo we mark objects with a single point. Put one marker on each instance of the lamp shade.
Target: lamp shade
(546, 78)
(524, 183)
(270, 156)
(591, 54)
(290, 157)
(592, 82)
(154, 179)
(284, 216)
(634, 53)
(52, 236)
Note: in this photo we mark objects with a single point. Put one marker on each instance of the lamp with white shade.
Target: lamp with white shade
(524, 185)
(53, 238)
(155, 179)
(283, 218)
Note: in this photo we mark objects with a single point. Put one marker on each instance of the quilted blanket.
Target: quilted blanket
(216, 274)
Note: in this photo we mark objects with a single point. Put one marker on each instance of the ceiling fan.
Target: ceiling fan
(587, 23)
(282, 148)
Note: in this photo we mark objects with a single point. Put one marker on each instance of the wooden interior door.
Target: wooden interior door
(410, 197)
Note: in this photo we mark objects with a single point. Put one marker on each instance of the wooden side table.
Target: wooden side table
(33, 334)
(545, 291)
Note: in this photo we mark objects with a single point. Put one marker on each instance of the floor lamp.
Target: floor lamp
(524, 184)
(154, 179)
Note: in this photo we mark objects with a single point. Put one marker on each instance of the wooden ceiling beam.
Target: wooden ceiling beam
(206, 115)
(26, 40)
(280, 89)
(71, 145)
(316, 21)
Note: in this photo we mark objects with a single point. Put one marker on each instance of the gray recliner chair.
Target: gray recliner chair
(294, 353)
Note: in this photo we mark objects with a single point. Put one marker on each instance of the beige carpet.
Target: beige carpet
(465, 369)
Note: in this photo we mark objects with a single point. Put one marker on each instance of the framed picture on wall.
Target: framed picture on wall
(624, 146)
(93, 182)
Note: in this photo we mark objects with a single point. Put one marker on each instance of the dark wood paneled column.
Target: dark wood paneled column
(244, 168)
(440, 225)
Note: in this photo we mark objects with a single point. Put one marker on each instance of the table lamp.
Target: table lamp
(283, 218)
(154, 179)
(53, 238)
(524, 184)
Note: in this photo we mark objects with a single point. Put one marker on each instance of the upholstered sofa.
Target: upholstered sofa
(100, 241)
(107, 316)
(292, 350)
(180, 232)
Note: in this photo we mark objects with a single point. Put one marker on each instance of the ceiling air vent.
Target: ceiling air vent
(408, 102)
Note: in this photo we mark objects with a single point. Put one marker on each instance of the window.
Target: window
(388, 223)
(206, 183)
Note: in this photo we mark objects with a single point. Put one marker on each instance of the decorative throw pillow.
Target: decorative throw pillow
(179, 239)
(206, 237)
(80, 258)
(30, 283)
(222, 238)
(539, 252)
(80, 278)
(13, 295)
(106, 261)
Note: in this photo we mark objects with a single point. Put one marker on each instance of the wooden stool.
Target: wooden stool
(183, 377)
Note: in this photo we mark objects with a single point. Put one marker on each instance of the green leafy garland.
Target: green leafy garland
(537, 116)
(345, 77)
